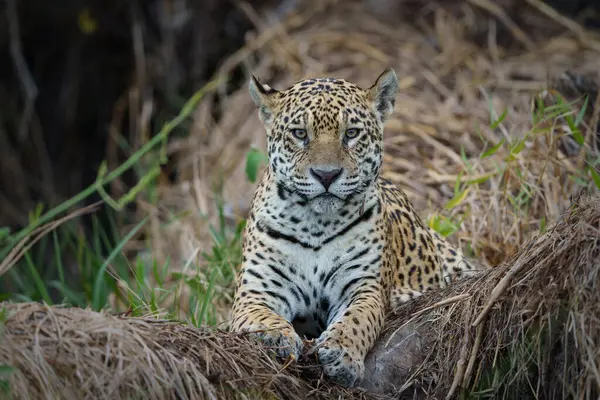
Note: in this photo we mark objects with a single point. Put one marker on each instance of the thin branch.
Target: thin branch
(499, 13)
(567, 22)
(30, 89)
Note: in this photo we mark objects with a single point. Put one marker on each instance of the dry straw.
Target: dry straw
(461, 64)
(75, 354)
(529, 327)
(539, 339)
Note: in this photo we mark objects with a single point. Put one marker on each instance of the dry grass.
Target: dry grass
(538, 339)
(530, 328)
(71, 353)
(460, 63)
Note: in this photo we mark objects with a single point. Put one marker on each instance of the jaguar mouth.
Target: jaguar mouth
(326, 196)
(326, 203)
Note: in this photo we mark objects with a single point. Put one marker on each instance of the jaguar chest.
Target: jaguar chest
(318, 279)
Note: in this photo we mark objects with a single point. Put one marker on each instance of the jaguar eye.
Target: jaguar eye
(351, 133)
(299, 134)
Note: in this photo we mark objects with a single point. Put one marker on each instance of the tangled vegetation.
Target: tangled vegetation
(495, 138)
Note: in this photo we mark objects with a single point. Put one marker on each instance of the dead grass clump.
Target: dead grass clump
(469, 73)
(71, 353)
(529, 328)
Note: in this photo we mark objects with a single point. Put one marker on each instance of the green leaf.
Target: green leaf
(37, 279)
(493, 150)
(463, 156)
(97, 298)
(34, 215)
(581, 112)
(578, 136)
(501, 118)
(481, 179)
(478, 131)
(457, 199)
(443, 226)
(516, 149)
(254, 159)
(538, 111)
(457, 183)
(543, 224)
(206, 299)
(575, 130)
(491, 109)
(595, 177)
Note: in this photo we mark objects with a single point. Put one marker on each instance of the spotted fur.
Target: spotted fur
(329, 245)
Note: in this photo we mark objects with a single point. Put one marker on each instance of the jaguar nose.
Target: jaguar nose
(326, 176)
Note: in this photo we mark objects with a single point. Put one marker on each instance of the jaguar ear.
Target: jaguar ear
(264, 97)
(383, 93)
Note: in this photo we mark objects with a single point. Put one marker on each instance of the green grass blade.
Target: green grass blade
(493, 150)
(96, 297)
(595, 177)
(581, 112)
(457, 199)
(498, 121)
(73, 298)
(37, 279)
(59, 263)
(207, 299)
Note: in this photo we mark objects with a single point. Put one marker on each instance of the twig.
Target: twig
(412, 378)
(442, 303)
(503, 284)
(282, 43)
(30, 89)
(499, 13)
(473, 357)
(591, 134)
(460, 365)
(289, 362)
(568, 23)
(112, 140)
(288, 24)
(21, 248)
(594, 124)
(427, 138)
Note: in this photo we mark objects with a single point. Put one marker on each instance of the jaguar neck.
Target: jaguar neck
(289, 215)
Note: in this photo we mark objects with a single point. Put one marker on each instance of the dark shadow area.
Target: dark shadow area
(86, 60)
(94, 80)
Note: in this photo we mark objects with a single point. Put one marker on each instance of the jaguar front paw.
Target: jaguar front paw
(284, 342)
(340, 364)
